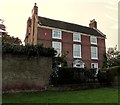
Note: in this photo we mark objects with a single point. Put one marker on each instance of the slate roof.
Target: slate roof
(69, 26)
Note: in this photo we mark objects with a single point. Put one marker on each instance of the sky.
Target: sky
(16, 12)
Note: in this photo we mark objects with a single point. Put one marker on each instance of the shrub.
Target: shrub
(114, 74)
(71, 76)
(108, 76)
(29, 50)
(103, 78)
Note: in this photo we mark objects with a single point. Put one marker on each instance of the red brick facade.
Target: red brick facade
(44, 36)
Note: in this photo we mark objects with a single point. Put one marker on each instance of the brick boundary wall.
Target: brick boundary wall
(22, 73)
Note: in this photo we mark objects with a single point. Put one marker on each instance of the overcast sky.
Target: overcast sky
(16, 12)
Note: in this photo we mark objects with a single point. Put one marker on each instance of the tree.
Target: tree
(105, 62)
(113, 57)
(7, 38)
(11, 39)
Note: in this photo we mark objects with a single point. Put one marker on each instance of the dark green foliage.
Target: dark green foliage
(113, 57)
(105, 62)
(103, 78)
(29, 50)
(115, 70)
(107, 77)
(72, 76)
(60, 60)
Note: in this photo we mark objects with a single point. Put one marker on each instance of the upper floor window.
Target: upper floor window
(76, 37)
(57, 46)
(56, 34)
(76, 51)
(93, 40)
(94, 52)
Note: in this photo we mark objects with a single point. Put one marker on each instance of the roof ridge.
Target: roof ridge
(69, 26)
(65, 22)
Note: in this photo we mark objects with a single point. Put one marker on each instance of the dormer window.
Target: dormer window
(93, 40)
(76, 37)
(56, 34)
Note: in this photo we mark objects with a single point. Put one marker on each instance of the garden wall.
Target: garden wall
(23, 73)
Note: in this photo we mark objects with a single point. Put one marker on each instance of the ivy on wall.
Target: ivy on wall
(29, 50)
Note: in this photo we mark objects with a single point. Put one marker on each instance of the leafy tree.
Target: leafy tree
(105, 62)
(113, 57)
(11, 39)
(7, 38)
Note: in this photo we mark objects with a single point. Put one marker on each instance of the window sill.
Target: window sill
(77, 57)
(56, 38)
(76, 41)
(94, 58)
(94, 43)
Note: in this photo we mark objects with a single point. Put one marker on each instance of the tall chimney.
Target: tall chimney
(93, 24)
(35, 9)
(29, 22)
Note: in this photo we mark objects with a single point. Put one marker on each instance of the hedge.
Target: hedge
(108, 76)
(71, 76)
(29, 50)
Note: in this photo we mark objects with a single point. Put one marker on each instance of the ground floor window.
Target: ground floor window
(57, 46)
(95, 65)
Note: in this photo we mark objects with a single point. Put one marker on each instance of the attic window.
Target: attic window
(93, 40)
(76, 37)
(56, 34)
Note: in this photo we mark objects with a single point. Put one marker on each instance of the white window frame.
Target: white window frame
(56, 30)
(76, 35)
(74, 56)
(96, 52)
(95, 64)
(53, 45)
(93, 40)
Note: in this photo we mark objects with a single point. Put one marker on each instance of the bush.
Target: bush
(107, 77)
(71, 76)
(29, 50)
(103, 78)
(114, 74)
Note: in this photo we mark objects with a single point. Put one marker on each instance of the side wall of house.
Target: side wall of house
(101, 51)
(44, 36)
(22, 73)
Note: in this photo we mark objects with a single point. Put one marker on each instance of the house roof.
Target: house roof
(69, 26)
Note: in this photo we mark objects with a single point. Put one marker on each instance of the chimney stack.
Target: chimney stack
(35, 9)
(29, 22)
(93, 24)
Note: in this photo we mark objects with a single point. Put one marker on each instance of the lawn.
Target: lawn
(101, 95)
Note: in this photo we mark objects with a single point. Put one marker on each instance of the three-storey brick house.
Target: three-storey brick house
(83, 45)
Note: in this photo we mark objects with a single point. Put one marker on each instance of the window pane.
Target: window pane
(93, 40)
(56, 34)
(57, 47)
(76, 37)
(94, 53)
(76, 51)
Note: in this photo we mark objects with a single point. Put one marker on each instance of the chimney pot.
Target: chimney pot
(93, 24)
(35, 4)
(35, 9)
